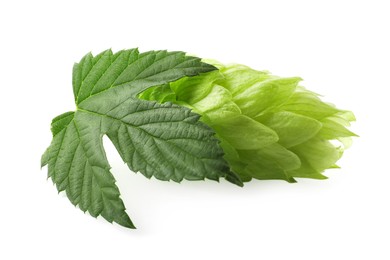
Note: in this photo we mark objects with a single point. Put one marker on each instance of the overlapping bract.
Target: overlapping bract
(270, 127)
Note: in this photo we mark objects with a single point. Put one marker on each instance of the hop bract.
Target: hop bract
(269, 127)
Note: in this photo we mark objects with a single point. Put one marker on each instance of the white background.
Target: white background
(340, 48)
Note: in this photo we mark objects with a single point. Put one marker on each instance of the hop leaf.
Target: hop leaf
(270, 127)
(161, 140)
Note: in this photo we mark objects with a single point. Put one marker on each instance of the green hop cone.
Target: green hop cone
(269, 127)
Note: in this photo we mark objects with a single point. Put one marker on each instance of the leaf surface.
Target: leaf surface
(166, 141)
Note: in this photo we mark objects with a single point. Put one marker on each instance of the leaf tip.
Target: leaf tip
(291, 180)
(234, 178)
(124, 221)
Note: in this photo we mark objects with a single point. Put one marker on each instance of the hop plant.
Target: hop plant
(173, 117)
(269, 127)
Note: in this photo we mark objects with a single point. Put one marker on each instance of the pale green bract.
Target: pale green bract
(166, 141)
(270, 127)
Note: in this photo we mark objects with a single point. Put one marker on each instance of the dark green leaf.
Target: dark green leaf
(162, 140)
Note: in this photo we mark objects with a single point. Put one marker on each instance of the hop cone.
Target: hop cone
(269, 127)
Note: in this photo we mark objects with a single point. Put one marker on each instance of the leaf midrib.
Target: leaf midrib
(113, 85)
(138, 127)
